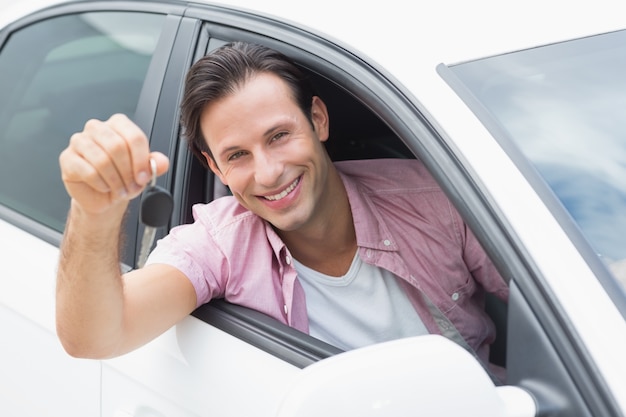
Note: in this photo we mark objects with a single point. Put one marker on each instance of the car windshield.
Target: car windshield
(564, 107)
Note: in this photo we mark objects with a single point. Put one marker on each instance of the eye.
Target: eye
(278, 136)
(236, 155)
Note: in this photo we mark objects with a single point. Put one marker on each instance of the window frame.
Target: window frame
(148, 98)
(537, 313)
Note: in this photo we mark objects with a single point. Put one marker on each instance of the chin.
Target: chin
(284, 227)
(287, 225)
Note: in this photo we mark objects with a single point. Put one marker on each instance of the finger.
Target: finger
(137, 147)
(162, 162)
(107, 152)
(127, 146)
(75, 169)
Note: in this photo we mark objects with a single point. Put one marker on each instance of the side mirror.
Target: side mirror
(418, 376)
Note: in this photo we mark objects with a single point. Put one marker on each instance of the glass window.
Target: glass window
(564, 106)
(57, 74)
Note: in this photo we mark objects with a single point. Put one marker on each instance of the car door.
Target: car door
(58, 69)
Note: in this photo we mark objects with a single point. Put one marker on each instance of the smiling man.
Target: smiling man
(354, 253)
(271, 156)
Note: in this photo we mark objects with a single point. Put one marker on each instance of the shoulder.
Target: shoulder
(402, 194)
(393, 174)
(395, 187)
(214, 224)
(222, 213)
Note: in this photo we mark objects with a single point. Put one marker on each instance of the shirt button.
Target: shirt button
(285, 308)
(288, 260)
(368, 253)
(455, 296)
(386, 242)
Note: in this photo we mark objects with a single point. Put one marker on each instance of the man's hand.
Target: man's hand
(108, 164)
(99, 312)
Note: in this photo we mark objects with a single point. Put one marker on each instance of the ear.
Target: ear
(319, 117)
(213, 166)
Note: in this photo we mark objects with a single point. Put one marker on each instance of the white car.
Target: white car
(518, 110)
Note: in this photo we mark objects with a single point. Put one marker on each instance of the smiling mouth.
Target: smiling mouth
(284, 193)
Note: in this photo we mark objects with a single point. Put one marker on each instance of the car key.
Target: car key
(156, 208)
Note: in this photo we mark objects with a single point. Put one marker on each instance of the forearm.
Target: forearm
(90, 304)
(104, 167)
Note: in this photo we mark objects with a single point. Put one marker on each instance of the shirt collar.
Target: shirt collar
(371, 229)
(277, 244)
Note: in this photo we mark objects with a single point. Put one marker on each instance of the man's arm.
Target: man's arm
(101, 313)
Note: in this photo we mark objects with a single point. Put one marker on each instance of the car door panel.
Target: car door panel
(37, 377)
(196, 369)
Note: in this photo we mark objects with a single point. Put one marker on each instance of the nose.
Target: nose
(268, 169)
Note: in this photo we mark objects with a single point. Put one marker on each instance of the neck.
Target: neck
(329, 244)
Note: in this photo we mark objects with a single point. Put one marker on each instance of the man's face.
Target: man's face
(265, 149)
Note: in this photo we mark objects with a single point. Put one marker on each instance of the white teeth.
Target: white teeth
(284, 193)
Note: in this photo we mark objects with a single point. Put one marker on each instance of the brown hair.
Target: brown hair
(221, 72)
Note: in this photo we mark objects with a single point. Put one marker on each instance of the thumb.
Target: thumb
(162, 162)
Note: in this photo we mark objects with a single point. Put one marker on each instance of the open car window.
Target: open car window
(357, 131)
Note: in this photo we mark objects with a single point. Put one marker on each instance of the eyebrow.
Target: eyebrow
(229, 150)
(275, 127)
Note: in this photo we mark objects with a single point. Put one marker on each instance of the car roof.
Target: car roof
(447, 31)
(407, 41)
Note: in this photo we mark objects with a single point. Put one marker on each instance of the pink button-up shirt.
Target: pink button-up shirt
(404, 223)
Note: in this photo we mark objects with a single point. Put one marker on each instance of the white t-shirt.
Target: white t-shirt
(363, 307)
